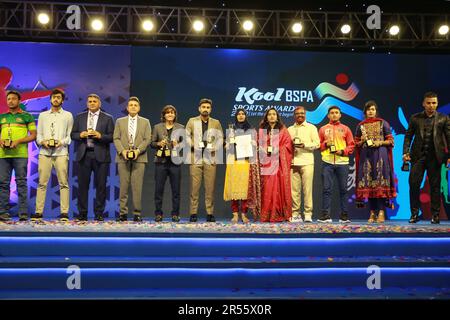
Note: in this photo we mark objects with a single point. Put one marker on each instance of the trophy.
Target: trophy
(130, 154)
(332, 146)
(174, 150)
(269, 147)
(164, 149)
(369, 142)
(210, 141)
(231, 134)
(405, 166)
(7, 142)
(52, 141)
(90, 129)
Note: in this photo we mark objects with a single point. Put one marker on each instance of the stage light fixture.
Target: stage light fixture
(297, 27)
(443, 30)
(394, 30)
(345, 29)
(97, 25)
(198, 25)
(147, 25)
(43, 18)
(248, 25)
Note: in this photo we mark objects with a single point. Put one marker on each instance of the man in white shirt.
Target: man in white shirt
(53, 137)
(305, 138)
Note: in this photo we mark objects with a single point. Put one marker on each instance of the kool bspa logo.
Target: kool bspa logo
(255, 101)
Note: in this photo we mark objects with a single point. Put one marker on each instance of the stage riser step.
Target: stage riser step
(185, 247)
(222, 262)
(179, 278)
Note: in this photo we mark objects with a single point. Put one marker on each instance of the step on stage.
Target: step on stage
(108, 260)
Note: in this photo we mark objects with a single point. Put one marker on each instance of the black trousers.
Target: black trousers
(86, 166)
(162, 172)
(433, 168)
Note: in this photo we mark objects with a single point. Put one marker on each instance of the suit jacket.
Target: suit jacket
(194, 124)
(141, 141)
(441, 136)
(105, 125)
(158, 134)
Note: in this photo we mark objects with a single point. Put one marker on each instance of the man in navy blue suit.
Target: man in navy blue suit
(93, 133)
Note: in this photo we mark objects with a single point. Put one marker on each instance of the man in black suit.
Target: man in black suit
(431, 132)
(93, 133)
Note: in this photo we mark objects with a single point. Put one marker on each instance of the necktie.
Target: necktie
(131, 126)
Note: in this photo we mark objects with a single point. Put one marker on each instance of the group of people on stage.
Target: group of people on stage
(269, 178)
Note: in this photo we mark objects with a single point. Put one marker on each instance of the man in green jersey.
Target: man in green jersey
(17, 128)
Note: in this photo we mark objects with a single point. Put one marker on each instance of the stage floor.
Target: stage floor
(356, 228)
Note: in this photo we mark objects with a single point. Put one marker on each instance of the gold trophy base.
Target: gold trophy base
(405, 166)
(333, 148)
(7, 143)
(52, 143)
(130, 154)
(369, 143)
(167, 153)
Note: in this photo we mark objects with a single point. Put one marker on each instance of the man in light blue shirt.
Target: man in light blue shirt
(53, 137)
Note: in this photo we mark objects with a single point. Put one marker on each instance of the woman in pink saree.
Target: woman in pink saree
(275, 162)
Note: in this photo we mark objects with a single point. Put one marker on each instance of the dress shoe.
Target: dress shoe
(36, 216)
(193, 218)
(175, 218)
(99, 217)
(414, 217)
(235, 218)
(23, 217)
(435, 219)
(137, 218)
(5, 217)
(63, 217)
(210, 218)
(122, 218)
(158, 218)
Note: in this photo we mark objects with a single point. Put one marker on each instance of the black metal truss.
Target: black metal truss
(223, 27)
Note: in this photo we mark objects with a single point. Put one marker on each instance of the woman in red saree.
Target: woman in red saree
(275, 161)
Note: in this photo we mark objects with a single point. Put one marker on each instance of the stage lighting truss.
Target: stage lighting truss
(222, 27)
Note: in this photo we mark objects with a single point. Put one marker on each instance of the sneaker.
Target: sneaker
(175, 218)
(344, 218)
(158, 218)
(308, 219)
(63, 217)
(295, 219)
(23, 217)
(193, 218)
(36, 216)
(435, 219)
(5, 217)
(325, 217)
(137, 218)
(210, 218)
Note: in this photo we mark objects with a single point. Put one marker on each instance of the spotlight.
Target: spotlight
(97, 24)
(297, 27)
(147, 25)
(443, 30)
(198, 25)
(394, 30)
(248, 25)
(43, 18)
(346, 29)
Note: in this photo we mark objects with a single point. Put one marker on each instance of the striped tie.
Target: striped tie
(131, 126)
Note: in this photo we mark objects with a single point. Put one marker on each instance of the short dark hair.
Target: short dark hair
(333, 107)
(134, 99)
(58, 91)
(205, 100)
(369, 104)
(429, 94)
(13, 92)
(167, 108)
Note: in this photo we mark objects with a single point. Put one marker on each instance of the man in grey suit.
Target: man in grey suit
(131, 133)
(204, 135)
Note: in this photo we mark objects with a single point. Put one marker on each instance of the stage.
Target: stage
(222, 260)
